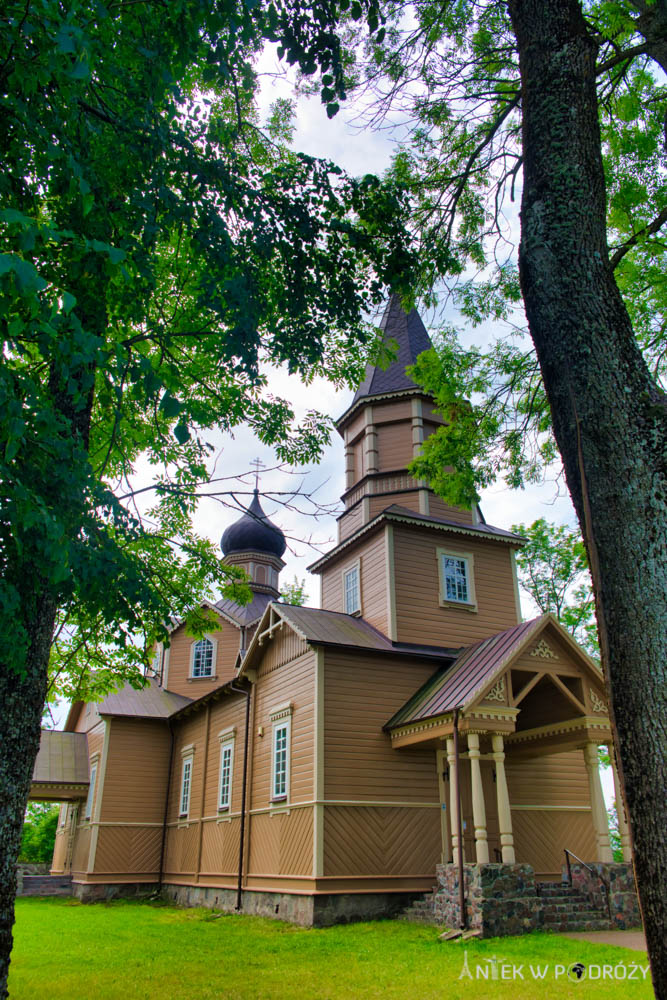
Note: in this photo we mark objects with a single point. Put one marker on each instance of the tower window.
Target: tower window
(351, 590)
(457, 585)
(202, 658)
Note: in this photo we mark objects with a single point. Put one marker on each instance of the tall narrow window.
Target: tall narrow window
(351, 590)
(226, 768)
(202, 658)
(91, 792)
(186, 785)
(280, 759)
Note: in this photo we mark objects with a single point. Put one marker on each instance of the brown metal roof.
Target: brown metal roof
(333, 628)
(62, 759)
(248, 613)
(403, 515)
(150, 702)
(472, 670)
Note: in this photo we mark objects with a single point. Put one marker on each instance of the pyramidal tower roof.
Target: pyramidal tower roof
(410, 334)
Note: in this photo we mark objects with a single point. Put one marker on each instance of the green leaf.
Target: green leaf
(333, 109)
(182, 433)
(170, 406)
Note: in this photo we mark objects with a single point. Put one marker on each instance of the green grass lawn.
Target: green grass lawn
(123, 951)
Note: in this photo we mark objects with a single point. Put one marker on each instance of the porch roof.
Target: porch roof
(61, 766)
(471, 671)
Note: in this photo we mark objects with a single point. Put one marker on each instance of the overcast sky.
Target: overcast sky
(357, 152)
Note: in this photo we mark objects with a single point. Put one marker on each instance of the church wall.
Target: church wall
(371, 553)
(438, 508)
(277, 685)
(550, 801)
(350, 522)
(419, 616)
(394, 442)
(227, 638)
(409, 499)
(128, 832)
(88, 718)
(382, 813)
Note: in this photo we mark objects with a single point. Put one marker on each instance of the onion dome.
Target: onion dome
(253, 533)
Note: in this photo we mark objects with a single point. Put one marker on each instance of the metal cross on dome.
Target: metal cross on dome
(258, 465)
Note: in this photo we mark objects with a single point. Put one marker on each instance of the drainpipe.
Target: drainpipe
(459, 824)
(166, 806)
(239, 888)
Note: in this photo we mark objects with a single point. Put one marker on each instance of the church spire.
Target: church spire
(411, 338)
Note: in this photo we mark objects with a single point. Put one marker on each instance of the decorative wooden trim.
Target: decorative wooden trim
(515, 583)
(543, 651)
(390, 580)
(318, 766)
(550, 808)
(571, 725)
(98, 792)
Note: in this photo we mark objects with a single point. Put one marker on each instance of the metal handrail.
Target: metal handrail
(605, 886)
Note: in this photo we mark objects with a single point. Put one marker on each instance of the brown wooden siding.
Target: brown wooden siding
(88, 718)
(350, 521)
(227, 637)
(361, 692)
(361, 841)
(136, 772)
(283, 646)
(438, 508)
(292, 682)
(540, 836)
(371, 553)
(282, 844)
(394, 445)
(555, 779)
(409, 499)
(419, 615)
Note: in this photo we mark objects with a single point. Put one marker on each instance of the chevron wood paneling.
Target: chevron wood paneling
(540, 837)
(127, 849)
(380, 840)
(81, 850)
(296, 843)
(220, 847)
(265, 844)
(181, 849)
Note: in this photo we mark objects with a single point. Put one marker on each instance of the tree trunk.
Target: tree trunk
(21, 707)
(609, 417)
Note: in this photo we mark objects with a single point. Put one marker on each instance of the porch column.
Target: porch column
(620, 809)
(504, 812)
(600, 823)
(453, 801)
(478, 810)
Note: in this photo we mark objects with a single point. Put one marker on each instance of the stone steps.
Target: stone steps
(421, 911)
(47, 885)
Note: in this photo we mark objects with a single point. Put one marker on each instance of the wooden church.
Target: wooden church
(309, 762)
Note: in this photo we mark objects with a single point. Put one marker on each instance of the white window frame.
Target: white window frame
(214, 654)
(90, 800)
(470, 604)
(227, 741)
(187, 768)
(281, 719)
(347, 571)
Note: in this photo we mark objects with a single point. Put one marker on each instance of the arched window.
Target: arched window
(202, 658)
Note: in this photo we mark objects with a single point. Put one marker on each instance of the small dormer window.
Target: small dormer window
(202, 658)
(352, 590)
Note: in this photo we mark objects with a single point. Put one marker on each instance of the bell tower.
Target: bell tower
(384, 428)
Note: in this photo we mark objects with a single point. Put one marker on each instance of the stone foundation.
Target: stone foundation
(100, 892)
(306, 911)
(623, 901)
(500, 899)
(505, 900)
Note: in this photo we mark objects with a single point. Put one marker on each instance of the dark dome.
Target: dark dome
(253, 533)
